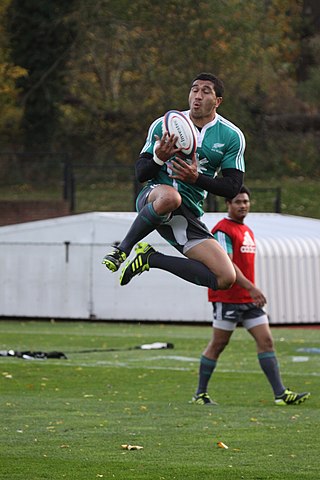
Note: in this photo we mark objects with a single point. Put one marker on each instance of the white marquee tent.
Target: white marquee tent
(52, 269)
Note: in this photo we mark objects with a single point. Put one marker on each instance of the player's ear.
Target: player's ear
(219, 101)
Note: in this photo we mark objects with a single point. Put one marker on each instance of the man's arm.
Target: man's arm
(148, 165)
(226, 186)
(146, 168)
(255, 293)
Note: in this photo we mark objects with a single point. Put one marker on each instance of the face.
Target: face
(239, 207)
(203, 102)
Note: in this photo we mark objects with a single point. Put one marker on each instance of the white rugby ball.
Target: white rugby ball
(175, 122)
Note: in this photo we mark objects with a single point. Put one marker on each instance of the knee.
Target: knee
(266, 344)
(219, 347)
(216, 347)
(168, 201)
(226, 281)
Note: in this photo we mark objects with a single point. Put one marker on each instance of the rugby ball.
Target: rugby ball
(175, 122)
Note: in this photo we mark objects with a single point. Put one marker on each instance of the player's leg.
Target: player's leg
(207, 265)
(155, 204)
(221, 334)
(258, 327)
(213, 256)
(260, 331)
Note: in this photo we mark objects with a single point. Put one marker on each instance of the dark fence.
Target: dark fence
(22, 174)
(90, 187)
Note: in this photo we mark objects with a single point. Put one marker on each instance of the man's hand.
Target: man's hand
(257, 296)
(181, 170)
(165, 147)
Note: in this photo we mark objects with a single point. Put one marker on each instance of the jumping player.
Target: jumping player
(172, 200)
(241, 303)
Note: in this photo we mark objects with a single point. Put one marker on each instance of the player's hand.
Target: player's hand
(182, 170)
(165, 147)
(258, 297)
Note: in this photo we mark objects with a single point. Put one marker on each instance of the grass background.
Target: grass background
(68, 418)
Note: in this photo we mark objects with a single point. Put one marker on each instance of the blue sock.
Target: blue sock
(146, 221)
(269, 364)
(206, 369)
(186, 268)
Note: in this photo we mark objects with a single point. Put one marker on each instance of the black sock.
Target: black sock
(186, 268)
(269, 364)
(206, 369)
(146, 221)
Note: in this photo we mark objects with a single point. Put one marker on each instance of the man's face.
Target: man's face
(239, 207)
(203, 101)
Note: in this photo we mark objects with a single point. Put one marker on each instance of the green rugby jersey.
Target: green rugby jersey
(221, 145)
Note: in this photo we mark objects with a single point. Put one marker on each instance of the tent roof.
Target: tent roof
(108, 227)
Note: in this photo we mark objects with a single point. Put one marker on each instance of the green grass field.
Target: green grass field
(67, 418)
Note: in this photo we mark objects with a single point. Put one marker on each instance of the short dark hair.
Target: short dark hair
(243, 189)
(217, 83)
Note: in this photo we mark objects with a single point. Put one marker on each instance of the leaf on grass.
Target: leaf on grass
(131, 447)
(222, 445)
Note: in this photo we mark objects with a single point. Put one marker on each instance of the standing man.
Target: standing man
(172, 200)
(241, 303)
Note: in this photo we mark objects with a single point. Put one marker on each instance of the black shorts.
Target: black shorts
(183, 230)
(227, 316)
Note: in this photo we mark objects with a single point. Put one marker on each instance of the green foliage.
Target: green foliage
(94, 92)
(310, 87)
(69, 418)
(139, 62)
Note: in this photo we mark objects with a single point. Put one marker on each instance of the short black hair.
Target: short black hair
(243, 189)
(217, 83)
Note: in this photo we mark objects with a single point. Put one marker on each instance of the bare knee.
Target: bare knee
(165, 200)
(215, 348)
(226, 280)
(265, 344)
(263, 337)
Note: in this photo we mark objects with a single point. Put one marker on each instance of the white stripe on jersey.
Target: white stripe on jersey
(221, 237)
(239, 160)
(150, 138)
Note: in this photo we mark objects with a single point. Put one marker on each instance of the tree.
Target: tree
(41, 33)
(131, 61)
(10, 112)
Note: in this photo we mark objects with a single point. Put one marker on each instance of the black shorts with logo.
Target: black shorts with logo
(183, 229)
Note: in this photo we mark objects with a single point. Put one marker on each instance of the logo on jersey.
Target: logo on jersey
(216, 147)
(248, 245)
(201, 164)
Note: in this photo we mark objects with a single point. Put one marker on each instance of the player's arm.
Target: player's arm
(255, 293)
(146, 168)
(158, 149)
(232, 169)
(149, 164)
(226, 186)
